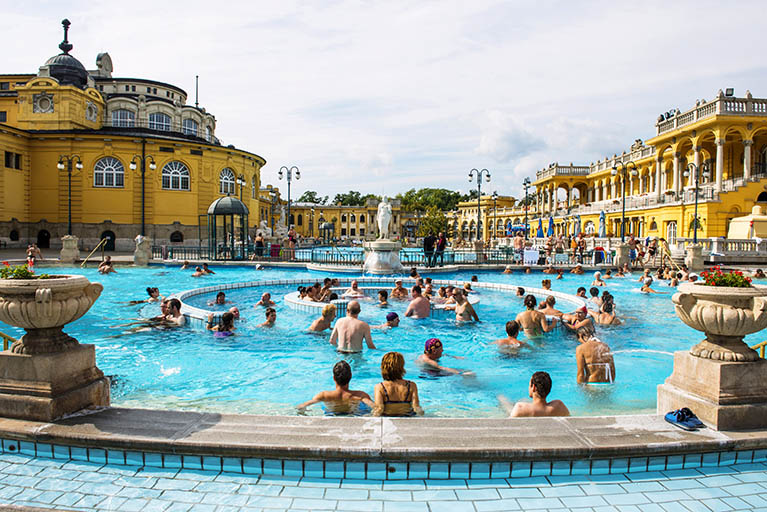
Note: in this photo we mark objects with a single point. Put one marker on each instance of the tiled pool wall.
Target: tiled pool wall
(381, 470)
(198, 317)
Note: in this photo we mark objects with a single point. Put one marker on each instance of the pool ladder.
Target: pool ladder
(7, 340)
(760, 347)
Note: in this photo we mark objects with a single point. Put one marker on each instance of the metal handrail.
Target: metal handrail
(760, 347)
(7, 340)
(102, 242)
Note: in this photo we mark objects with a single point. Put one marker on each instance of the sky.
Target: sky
(385, 96)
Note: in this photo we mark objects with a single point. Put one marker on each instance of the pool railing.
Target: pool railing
(7, 340)
(760, 347)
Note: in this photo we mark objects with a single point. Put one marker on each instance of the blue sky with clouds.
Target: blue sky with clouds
(384, 96)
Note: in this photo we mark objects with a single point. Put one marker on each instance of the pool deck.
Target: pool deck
(379, 439)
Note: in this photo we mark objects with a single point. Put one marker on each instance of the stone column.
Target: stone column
(143, 252)
(677, 173)
(696, 161)
(70, 253)
(719, 163)
(747, 159)
(694, 257)
(552, 200)
(658, 165)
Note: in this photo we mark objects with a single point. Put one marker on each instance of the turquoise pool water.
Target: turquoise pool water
(271, 370)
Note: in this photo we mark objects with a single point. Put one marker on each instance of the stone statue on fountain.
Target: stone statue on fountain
(384, 219)
(382, 255)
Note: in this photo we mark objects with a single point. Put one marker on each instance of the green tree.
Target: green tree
(310, 196)
(433, 221)
(422, 199)
(351, 198)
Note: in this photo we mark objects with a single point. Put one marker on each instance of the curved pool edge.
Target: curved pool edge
(375, 440)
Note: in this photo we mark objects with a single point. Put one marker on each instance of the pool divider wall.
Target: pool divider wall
(383, 470)
(198, 317)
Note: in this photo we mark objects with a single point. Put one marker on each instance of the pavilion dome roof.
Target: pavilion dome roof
(228, 205)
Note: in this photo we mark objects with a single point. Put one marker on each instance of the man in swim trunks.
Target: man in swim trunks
(646, 286)
(577, 270)
(266, 301)
(540, 386)
(392, 320)
(398, 292)
(271, 317)
(520, 291)
(510, 343)
(534, 322)
(549, 309)
(341, 399)
(581, 292)
(432, 352)
(174, 316)
(419, 307)
(349, 332)
(595, 361)
(324, 321)
(464, 311)
(354, 290)
(206, 270)
(234, 310)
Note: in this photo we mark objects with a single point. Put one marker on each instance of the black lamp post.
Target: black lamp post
(311, 224)
(697, 171)
(495, 214)
(526, 184)
(479, 173)
(152, 166)
(241, 182)
(625, 171)
(288, 173)
(78, 163)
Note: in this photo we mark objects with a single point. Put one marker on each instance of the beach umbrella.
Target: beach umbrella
(602, 227)
(550, 230)
(539, 234)
(577, 230)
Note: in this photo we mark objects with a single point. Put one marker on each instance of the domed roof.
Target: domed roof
(65, 68)
(228, 206)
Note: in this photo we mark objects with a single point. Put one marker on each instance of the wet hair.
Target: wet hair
(530, 301)
(174, 303)
(204, 265)
(384, 294)
(227, 321)
(550, 300)
(607, 306)
(428, 280)
(329, 308)
(220, 294)
(342, 373)
(269, 311)
(520, 290)
(327, 280)
(333, 296)
(149, 290)
(512, 328)
(541, 381)
(581, 289)
(474, 279)
(594, 291)
(392, 366)
(353, 308)
(413, 272)
(416, 290)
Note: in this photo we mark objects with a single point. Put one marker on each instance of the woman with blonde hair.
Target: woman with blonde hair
(395, 396)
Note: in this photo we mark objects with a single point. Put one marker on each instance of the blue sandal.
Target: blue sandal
(684, 419)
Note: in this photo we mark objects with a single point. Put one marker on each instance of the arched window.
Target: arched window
(653, 226)
(226, 181)
(352, 218)
(14, 235)
(292, 221)
(362, 218)
(343, 217)
(762, 198)
(159, 121)
(175, 176)
(189, 127)
(177, 237)
(300, 220)
(109, 172)
(208, 133)
(253, 187)
(123, 118)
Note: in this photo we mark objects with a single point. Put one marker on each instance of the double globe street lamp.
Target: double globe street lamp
(479, 174)
(288, 174)
(152, 166)
(696, 172)
(526, 184)
(625, 171)
(65, 163)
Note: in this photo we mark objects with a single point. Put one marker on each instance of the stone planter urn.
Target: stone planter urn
(725, 315)
(721, 379)
(47, 373)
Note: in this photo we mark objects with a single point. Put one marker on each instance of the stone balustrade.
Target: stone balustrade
(720, 105)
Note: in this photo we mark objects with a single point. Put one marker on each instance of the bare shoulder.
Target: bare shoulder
(559, 408)
(521, 410)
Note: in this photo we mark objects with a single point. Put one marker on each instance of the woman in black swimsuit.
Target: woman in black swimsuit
(395, 396)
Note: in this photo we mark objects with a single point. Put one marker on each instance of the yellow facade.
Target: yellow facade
(724, 139)
(462, 223)
(105, 124)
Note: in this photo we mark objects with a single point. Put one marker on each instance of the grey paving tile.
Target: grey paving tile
(435, 495)
(596, 489)
(219, 487)
(183, 496)
(562, 491)
(260, 490)
(138, 492)
(303, 492)
(360, 506)
(313, 504)
(346, 494)
(172, 483)
(666, 496)
(707, 492)
(681, 484)
(520, 492)
(627, 499)
(391, 495)
(214, 498)
(452, 506)
(497, 505)
(413, 506)
(477, 494)
(538, 503)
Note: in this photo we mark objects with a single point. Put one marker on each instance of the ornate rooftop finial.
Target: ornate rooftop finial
(65, 46)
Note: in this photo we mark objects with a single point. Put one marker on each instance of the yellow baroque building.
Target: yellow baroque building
(117, 156)
(722, 142)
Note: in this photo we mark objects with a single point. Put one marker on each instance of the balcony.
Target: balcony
(721, 105)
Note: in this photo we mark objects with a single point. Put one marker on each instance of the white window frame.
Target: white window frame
(175, 176)
(160, 121)
(190, 127)
(109, 173)
(123, 118)
(226, 181)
